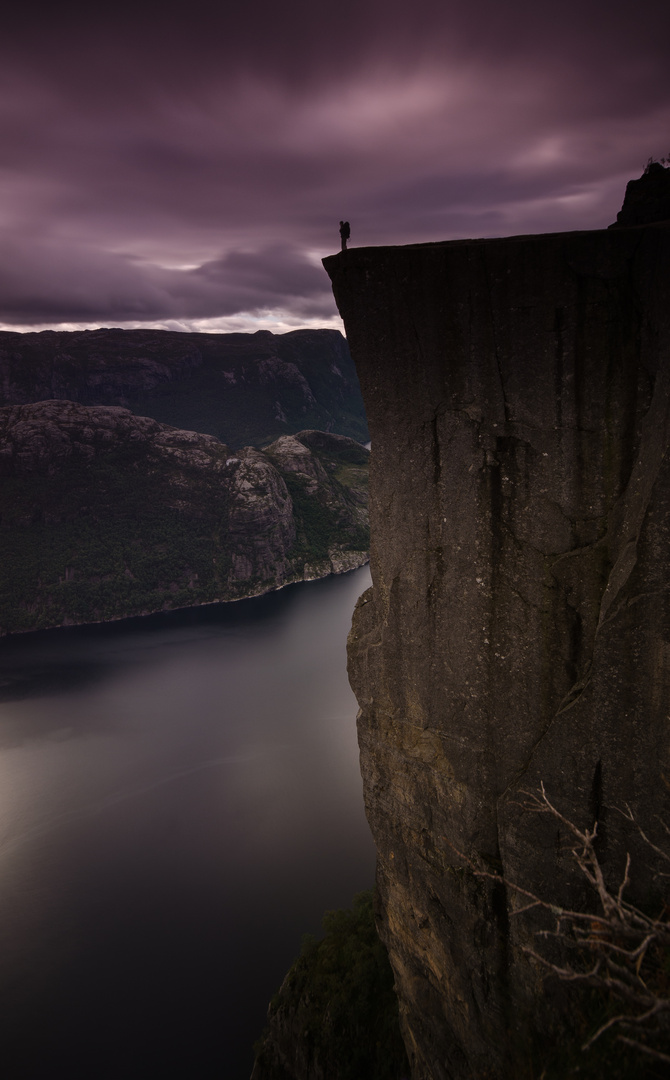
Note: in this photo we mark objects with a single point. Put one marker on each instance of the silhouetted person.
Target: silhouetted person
(345, 233)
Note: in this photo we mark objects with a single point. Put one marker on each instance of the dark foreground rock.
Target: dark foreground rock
(104, 514)
(246, 389)
(518, 628)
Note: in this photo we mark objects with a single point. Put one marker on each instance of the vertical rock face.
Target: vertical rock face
(518, 628)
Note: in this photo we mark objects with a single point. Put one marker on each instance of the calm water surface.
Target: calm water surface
(179, 801)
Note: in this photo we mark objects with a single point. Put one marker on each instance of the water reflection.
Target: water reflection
(179, 801)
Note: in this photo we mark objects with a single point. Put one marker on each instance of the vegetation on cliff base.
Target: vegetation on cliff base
(336, 1014)
(318, 518)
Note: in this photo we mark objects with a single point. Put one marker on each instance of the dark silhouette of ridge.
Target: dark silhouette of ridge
(647, 200)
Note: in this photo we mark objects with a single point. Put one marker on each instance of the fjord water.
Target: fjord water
(180, 800)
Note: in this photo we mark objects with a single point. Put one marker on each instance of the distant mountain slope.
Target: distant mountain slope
(246, 389)
(104, 514)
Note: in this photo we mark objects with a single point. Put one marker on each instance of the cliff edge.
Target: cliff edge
(518, 628)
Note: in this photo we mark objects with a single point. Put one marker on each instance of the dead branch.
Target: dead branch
(619, 948)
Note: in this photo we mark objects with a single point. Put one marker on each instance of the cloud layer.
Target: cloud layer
(165, 165)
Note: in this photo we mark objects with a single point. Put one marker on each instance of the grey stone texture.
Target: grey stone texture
(518, 627)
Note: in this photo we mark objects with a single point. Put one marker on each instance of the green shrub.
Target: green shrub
(339, 1003)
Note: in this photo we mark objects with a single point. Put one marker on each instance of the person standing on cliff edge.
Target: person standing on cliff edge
(345, 233)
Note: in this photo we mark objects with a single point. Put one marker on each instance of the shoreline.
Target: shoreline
(355, 565)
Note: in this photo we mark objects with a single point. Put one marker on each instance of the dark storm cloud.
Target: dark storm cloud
(46, 283)
(189, 162)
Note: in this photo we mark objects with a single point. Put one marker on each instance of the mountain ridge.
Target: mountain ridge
(246, 389)
(516, 632)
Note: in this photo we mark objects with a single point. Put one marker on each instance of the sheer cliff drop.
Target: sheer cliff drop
(518, 397)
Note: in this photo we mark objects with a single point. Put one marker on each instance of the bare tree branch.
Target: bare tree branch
(619, 950)
(645, 1049)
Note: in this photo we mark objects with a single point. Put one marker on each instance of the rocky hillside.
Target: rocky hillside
(246, 389)
(104, 514)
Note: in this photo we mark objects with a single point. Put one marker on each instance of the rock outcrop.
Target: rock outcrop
(104, 514)
(518, 628)
(647, 200)
(244, 388)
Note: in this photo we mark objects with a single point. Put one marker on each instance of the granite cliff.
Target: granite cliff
(518, 627)
(104, 514)
(246, 389)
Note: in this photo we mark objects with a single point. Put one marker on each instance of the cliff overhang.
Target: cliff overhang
(518, 629)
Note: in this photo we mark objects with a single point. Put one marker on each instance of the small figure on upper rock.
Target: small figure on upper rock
(345, 233)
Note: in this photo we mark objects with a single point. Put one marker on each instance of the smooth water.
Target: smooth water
(180, 801)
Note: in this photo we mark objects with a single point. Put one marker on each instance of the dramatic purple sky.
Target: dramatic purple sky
(185, 165)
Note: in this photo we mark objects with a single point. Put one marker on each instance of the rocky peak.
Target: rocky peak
(294, 457)
(647, 200)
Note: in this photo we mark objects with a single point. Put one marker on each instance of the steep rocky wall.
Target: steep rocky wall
(518, 628)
